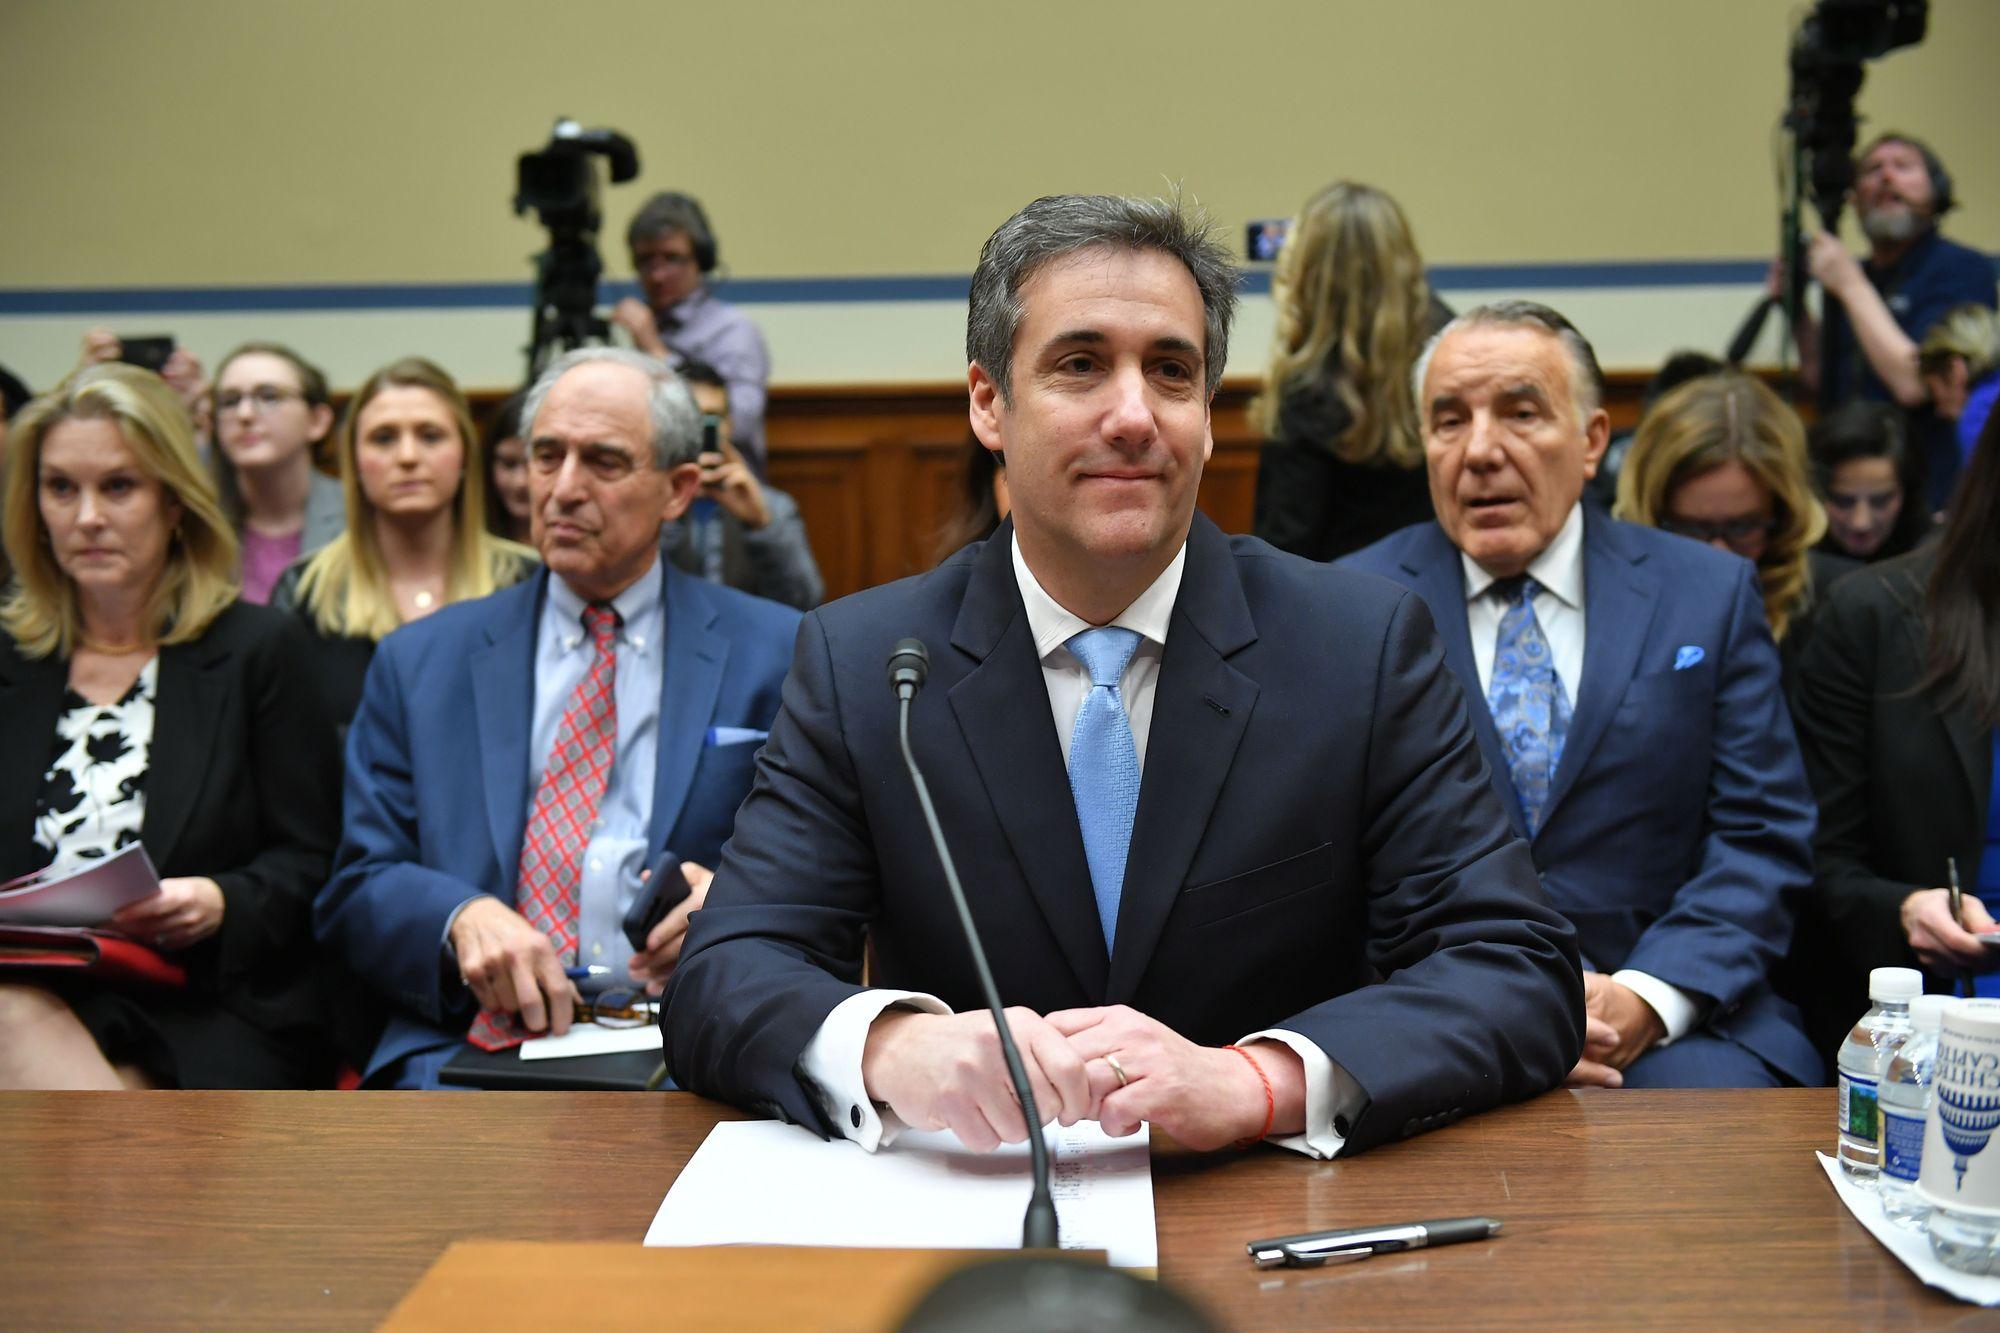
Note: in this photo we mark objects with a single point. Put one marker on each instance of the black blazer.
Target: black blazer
(242, 786)
(1901, 786)
(1314, 817)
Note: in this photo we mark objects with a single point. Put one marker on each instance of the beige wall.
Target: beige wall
(290, 141)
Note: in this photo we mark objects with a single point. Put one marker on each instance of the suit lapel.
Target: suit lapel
(1002, 708)
(1620, 597)
(694, 656)
(1201, 707)
(192, 692)
(1439, 575)
(30, 700)
(503, 696)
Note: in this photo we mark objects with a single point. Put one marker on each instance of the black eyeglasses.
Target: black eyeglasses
(1729, 531)
(618, 1007)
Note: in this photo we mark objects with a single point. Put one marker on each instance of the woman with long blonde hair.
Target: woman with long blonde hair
(1722, 459)
(416, 536)
(1343, 459)
(144, 704)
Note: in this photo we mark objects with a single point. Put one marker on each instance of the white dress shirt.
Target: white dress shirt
(832, 1059)
(1560, 613)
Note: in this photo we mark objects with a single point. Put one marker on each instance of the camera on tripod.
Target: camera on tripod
(560, 184)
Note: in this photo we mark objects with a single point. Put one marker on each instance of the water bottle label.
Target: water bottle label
(1857, 1106)
(1902, 1145)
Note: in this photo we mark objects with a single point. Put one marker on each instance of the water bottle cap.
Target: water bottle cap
(1927, 1012)
(1897, 985)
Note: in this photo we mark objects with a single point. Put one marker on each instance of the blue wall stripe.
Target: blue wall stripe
(801, 291)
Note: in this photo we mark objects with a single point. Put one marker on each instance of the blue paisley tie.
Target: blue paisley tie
(1104, 767)
(1530, 707)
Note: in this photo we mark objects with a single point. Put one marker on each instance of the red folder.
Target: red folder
(95, 953)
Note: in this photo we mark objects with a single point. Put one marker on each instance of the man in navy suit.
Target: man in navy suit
(1222, 822)
(520, 763)
(1624, 689)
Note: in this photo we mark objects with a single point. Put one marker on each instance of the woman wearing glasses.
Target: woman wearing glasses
(416, 537)
(142, 702)
(271, 413)
(1721, 459)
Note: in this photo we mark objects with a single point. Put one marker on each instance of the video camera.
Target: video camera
(560, 184)
(1828, 50)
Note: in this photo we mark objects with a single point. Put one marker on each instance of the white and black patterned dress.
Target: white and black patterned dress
(93, 796)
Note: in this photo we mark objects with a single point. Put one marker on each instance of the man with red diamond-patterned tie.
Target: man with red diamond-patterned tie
(521, 763)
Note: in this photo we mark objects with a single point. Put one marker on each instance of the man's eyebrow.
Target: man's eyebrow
(1444, 401)
(1092, 336)
(1526, 389)
(1175, 343)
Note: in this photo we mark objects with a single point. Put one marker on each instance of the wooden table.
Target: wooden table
(249, 1209)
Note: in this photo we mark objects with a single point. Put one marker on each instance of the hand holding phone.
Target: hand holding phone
(666, 888)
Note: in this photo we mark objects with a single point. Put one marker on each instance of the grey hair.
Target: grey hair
(676, 420)
(1058, 225)
(1586, 378)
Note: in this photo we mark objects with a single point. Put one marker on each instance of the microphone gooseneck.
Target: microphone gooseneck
(909, 667)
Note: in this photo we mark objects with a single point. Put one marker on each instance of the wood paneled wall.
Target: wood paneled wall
(876, 468)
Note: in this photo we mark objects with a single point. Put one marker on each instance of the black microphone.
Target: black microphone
(909, 666)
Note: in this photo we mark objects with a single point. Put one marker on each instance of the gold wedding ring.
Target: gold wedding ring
(1117, 1069)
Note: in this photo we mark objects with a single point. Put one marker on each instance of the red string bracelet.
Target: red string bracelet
(1270, 1098)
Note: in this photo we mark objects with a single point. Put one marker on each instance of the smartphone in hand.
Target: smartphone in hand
(665, 890)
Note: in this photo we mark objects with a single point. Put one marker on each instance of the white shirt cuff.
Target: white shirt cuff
(1332, 1097)
(831, 1061)
(1678, 1010)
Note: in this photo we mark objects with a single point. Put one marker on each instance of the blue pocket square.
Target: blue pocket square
(1687, 656)
(734, 736)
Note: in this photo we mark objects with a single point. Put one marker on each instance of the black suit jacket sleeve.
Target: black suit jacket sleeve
(288, 758)
(1901, 784)
(773, 961)
(1482, 998)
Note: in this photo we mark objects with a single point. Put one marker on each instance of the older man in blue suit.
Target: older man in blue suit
(521, 763)
(1624, 689)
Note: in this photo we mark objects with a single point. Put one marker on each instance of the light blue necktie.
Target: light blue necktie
(1104, 767)
(1530, 707)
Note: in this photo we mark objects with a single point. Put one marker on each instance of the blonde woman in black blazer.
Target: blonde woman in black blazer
(142, 701)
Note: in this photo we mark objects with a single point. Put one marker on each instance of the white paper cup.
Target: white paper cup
(1961, 1169)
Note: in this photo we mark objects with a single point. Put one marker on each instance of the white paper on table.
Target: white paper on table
(591, 1039)
(761, 1182)
(1912, 1247)
(87, 894)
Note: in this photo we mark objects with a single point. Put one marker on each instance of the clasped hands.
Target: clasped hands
(511, 967)
(1113, 1065)
(1619, 1027)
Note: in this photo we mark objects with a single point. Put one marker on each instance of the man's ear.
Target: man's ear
(986, 407)
(1596, 438)
(683, 484)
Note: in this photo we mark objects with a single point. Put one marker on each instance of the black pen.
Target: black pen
(1339, 1247)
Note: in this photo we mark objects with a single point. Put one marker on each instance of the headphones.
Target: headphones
(695, 223)
(1942, 199)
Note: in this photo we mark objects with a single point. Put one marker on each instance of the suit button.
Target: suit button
(854, 1116)
(1409, 1127)
(1341, 1127)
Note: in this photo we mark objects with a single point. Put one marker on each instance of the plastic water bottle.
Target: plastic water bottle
(1860, 1062)
(1904, 1100)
